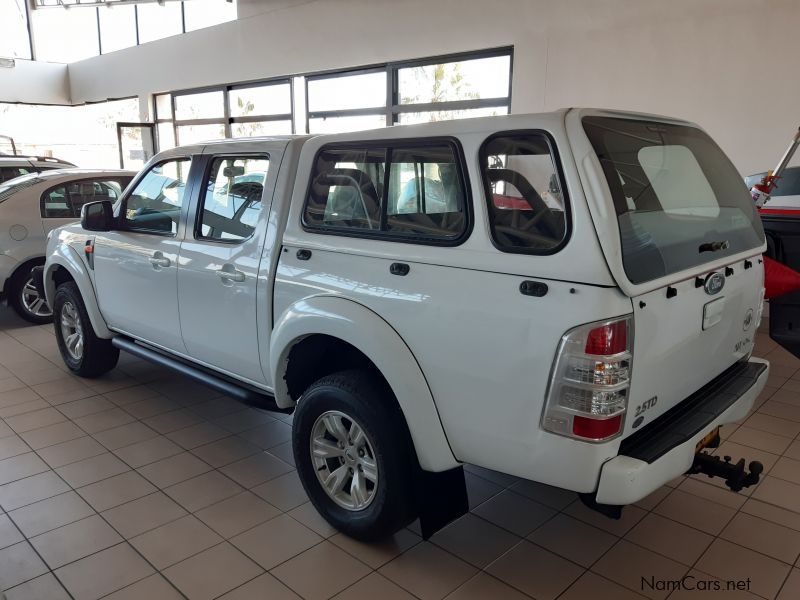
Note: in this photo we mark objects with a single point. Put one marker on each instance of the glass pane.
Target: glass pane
(351, 91)
(463, 80)
(157, 22)
(447, 115)
(155, 203)
(166, 136)
(204, 13)
(192, 134)
(266, 100)
(137, 147)
(55, 204)
(117, 28)
(66, 36)
(14, 29)
(206, 105)
(233, 198)
(299, 104)
(164, 106)
(82, 192)
(261, 128)
(341, 124)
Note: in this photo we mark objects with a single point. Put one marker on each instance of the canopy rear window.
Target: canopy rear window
(679, 200)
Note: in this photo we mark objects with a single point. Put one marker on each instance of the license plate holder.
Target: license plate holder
(710, 439)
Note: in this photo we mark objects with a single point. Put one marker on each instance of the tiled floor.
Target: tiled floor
(144, 485)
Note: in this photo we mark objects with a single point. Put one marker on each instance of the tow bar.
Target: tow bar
(735, 475)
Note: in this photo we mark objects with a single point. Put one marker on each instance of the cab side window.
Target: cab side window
(154, 205)
(232, 199)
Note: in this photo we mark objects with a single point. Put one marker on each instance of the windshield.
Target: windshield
(679, 200)
(12, 186)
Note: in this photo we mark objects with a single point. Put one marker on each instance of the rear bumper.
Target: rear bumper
(665, 449)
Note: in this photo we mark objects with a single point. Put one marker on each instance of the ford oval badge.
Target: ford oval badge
(714, 283)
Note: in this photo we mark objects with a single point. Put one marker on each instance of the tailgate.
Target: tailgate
(685, 336)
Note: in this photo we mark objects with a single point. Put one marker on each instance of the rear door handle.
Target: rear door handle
(228, 273)
(158, 260)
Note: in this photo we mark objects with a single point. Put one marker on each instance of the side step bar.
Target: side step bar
(243, 394)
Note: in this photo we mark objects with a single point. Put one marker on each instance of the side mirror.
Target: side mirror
(97, 216)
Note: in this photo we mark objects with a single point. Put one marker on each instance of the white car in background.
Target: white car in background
(32, 205)
(13, 166)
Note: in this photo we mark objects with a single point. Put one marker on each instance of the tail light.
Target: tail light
(588, 393)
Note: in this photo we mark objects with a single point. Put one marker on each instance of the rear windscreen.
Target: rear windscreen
(679, 200)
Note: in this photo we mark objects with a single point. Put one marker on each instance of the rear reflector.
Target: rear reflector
(595, 429)
(608, 339)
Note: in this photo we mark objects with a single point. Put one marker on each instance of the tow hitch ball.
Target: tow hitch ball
(734, 474)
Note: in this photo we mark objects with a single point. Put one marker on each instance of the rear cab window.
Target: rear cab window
(676, 196)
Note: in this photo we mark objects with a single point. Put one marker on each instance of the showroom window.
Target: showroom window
(14, 39)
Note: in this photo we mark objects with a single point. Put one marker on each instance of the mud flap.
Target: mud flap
(441, 499)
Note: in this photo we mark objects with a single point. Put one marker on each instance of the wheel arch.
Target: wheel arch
(64, 264)
(352, 328)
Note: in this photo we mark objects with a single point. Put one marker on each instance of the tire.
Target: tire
(24, 298)
(385, 505)
(92, 356)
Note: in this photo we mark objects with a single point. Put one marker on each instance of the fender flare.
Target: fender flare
(65, 257)
(362, 328)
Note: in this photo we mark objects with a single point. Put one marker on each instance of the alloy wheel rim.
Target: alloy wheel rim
(344, 460)
(72, 330)
(33, 302)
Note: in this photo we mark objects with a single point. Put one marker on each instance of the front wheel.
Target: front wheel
(25, 300)
(354, 455)
(82, 351)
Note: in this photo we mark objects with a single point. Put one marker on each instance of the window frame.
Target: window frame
(122, 222)
(487, 191)
(387, 145)
(66, 184)
(201, 196)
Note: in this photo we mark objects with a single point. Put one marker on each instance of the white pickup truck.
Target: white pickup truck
(570, 298)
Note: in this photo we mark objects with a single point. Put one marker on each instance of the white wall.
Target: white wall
(727, 64)
(34, 82)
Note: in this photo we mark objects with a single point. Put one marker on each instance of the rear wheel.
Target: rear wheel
(24, 298)
(354, 455)
(82, 351)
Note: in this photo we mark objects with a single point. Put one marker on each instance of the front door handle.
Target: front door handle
(228, 273)
(158, 260)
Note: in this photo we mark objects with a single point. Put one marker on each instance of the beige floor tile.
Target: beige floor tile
(150, 407)
(334, 571)
(35, 420)
(53, 434)
(763, 536)
(514, 512)
(475, 540)
(256, 469)
(5, 430)
(125, 435)
(630, 516)
(172, 421)
(174, 469)
(729, 561)
(629, 565)
(780, 410)
(773, 425)
(154, 587)
(695, 511)
(787, 395)
(143, 514)
(23, 408)
(203, 490)
(17, 396)
(237, 514)
(479, 490)
(9, 534)
(19, 563)
(225, 451)
(242, 420)
(377, 554)
(51, 513)
(285, 492)
(90, 470)
(116, 490)
(773, 514)
(790, 589)
(374, 586)
(427, 571)
(74, 541)
(107, 571)
(59, 398)
(786, 468)
(21, 466)
(31, 489)
(285, 452)
(761, 440)
(148, 451)
(175, 541)
(128, 395)
(85, 406)
(12, 445)
(308, 516)
(264, 586)
(484, 586)
(591, 585)
(72, 451)
(216, 408)
(573, 539)
(101, 421)
(650, 501)
(58, 384)
(779, 492)
(793, 451)
(674, 540)
(268, 435)
(43, 587)
(197, 435)
(212, 572)
(294, 539)
(714, 490)
(9, 382)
